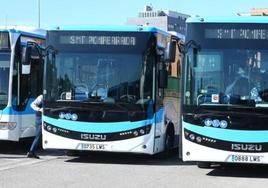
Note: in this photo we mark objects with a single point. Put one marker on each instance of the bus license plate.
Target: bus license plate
(246, 158)
(93, 146)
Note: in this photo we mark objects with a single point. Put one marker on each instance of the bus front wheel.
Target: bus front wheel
(204, 165)
(169, 141)
(72, 153)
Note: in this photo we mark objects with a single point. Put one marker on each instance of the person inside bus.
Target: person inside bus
(37, 107)
(246, 87)
(256, 83)
(240, 84)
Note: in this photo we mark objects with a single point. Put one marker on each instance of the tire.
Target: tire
(169, 142)
(204, 165)
(72, 153)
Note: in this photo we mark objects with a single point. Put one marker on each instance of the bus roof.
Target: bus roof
(29, 31)
(235, 19)
(111, 28)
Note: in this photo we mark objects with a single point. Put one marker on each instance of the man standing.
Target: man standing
(37, 107)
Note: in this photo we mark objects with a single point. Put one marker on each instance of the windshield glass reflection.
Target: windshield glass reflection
(100, 77)
(228, 76)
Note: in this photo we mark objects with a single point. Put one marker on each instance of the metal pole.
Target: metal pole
(6, 21)
(39, 10)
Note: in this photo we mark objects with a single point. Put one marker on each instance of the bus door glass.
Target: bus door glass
(4, 78)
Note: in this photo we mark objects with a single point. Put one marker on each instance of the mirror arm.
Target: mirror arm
(48, 49)
(190, 44)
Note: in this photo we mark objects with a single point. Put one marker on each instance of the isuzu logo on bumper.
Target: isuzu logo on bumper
(247, 147)
(93, 137)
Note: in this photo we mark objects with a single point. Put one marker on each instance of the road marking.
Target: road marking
(7, 163)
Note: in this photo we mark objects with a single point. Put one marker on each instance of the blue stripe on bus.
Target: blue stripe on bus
(105, 127)
(96, 127)
(10, 111)
(236, 19)
(229, 135)
(38, 33)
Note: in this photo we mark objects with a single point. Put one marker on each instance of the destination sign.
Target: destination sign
(98, 40)
(248, 34)
(4, 38)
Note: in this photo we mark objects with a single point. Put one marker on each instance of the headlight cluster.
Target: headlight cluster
(216, 123)
(68, 116)
(137, 132)
(198, 138)
(8, 125)
(72, 134)
(53, 129)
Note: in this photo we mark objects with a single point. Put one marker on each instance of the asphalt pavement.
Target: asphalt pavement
(102, 170)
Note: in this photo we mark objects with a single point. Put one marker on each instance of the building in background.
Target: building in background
(255, 12)
(166, 20)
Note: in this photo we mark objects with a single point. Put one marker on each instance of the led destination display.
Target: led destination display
(250, 34)
(98, 40)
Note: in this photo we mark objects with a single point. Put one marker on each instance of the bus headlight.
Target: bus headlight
(208, 122)
(49, 128)
(223, 124)
(8, 125)
(142, 131)
(216, 123)
(135, 133)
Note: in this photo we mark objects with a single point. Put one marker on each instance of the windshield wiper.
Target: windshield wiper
(95, 99)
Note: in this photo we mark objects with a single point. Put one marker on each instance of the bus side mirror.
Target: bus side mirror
(26, 59)
(170, 52)
(163, 77)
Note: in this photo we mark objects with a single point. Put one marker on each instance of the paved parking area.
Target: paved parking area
(54, 169)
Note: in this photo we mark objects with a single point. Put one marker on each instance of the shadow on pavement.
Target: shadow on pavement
(130, 159)
(240, 171)
(16, 148)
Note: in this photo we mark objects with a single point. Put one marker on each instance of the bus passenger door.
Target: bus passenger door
(159, 116)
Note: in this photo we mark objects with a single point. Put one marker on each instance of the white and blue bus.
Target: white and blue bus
(112, 89)
(225, 91)
(17, 119)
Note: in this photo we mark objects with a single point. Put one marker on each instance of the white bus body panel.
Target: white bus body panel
(25, 127)
(195, 152)
(132, 145)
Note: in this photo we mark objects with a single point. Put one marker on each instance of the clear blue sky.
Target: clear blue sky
(112, 12)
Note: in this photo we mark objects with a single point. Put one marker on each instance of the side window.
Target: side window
(24, 90)
(36, 78)
(172, 92)
(174, 75)
(15, 83)
(149, 74)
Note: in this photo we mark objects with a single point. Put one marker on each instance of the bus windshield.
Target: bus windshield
(100, 77)
(230, 67)
(4, 78)
(100, 67)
